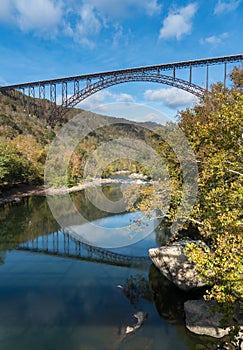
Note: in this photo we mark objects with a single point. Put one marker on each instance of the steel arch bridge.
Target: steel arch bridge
(66, 93)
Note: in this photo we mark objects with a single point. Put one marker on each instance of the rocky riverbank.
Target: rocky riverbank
(174, 265)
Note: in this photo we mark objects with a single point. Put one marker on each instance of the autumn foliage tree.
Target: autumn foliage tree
(214, 129)
(21, 160)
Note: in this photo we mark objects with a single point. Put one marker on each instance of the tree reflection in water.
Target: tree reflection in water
(168, 299)
(136, 288)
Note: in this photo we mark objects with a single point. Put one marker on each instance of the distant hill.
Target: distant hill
(17, 118)
(26, 132)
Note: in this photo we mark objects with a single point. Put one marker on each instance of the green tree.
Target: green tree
(214, 129)
(21, 160)
(11, 165)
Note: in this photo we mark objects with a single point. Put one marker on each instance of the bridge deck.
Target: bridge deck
(158, 67)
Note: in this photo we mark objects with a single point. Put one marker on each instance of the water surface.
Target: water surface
(57, 293)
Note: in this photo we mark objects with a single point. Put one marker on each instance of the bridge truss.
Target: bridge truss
(65, 93)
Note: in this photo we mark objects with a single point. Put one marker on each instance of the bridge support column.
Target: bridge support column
(31, 94)
(64, 94)
(46, 243)
(53, 99)
(190, 75)
(207, 77)
(42, 92)
(225, 73)
(53, 242)
(32, 91)
(22, 98)
(42, 97)
(76, 87)
(57, 241)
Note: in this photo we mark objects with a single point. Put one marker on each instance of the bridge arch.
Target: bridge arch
(105, 82)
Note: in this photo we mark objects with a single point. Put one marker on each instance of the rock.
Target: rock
(138, 176)
(174, 265)
(17, 200)
(226, 346)
(201, 320)
(140, 316)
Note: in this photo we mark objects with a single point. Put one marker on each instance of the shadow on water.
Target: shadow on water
(168, 299)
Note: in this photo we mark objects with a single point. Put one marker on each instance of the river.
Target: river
(57, 293)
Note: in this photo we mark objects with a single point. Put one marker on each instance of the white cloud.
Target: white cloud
(223, 7)
(90, 102)
(82, 20)
(171, 97)
(89, 25)
(95, 100)
(152, 7)
(103, 97)
(120, 37)
(38, 15)
(122, 97)
(123, 8)
(94, 15)
(43, 15)
(178, 22)
(215, 39)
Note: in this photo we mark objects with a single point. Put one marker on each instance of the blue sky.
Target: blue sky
(44, 39)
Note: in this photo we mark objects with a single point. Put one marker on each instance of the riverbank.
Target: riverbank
(18, 192)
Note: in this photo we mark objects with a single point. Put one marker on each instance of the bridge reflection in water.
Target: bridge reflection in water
(62, 244)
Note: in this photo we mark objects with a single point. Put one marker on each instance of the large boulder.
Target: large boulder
(200, 319)
(175, 265)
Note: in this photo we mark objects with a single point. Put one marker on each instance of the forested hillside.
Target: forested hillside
(23, 141)
(26, 133)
